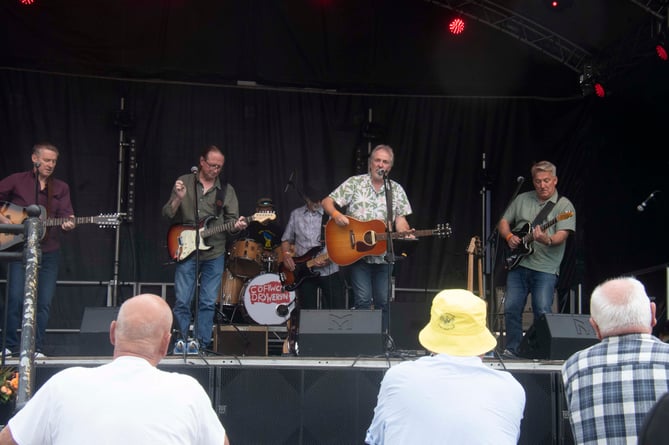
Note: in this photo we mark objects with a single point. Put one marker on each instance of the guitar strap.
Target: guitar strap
(544, 212)
(220, 197)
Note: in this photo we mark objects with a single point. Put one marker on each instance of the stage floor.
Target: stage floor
(325, 400)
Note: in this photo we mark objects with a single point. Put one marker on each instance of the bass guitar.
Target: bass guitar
(181, 237)
(513, 256)
(17, 215)
(358, 239)
(291, 280)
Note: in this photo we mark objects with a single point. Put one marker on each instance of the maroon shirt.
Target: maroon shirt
(19, 189)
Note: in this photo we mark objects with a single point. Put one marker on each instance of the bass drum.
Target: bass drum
(266, 302)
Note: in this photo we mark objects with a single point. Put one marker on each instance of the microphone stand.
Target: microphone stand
(197, 263)
(491, 242)
(390, 251)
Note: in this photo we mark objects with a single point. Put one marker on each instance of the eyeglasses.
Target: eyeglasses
(214, 166)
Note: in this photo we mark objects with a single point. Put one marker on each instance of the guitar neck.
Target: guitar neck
(395, 235)
(317, 259)
(529, 238)
(51, 222)
(218, 229)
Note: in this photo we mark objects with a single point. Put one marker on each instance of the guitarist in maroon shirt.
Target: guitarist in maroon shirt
(53, 195)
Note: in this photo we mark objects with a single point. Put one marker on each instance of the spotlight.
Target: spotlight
(456, 26)
(661, 46)
(558, 5)
(590, 82)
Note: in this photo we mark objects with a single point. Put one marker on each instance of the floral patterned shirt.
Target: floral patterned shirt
(365, 204)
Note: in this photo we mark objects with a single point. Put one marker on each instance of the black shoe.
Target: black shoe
(510, 355)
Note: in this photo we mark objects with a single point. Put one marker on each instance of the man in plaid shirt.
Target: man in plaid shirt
(611, 386)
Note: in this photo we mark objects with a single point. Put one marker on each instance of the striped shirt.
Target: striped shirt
(611, 386)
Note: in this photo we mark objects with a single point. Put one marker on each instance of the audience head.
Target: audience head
(457, 325)
(142, 328)
(621, 306)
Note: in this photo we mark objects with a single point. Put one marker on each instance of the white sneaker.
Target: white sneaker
(7, 353)
(39, 355)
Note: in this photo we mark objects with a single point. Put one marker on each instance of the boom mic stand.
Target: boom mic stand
(491, 243)
(390, 255)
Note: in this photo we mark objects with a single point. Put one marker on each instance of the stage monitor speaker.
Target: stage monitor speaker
(94, 331)
(340, 333)
(230, 339)
(557, 336)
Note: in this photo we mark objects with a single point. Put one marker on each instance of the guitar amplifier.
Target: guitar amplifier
(340, 333)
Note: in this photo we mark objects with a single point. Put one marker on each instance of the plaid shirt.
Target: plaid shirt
(611, 386)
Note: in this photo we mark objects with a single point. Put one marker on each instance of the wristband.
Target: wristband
(508, 237)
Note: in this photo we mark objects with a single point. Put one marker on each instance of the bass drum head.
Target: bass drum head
(263, 295)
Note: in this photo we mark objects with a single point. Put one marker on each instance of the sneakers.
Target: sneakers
(179, 347)
(193, 347)
(39, 355)
(7, 353)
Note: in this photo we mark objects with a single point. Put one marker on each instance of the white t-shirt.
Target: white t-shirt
(445, 399)
(126, 402)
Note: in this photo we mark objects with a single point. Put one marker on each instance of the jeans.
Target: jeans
(211, 272)
(46, 288)
(370, 285)
(519, 282)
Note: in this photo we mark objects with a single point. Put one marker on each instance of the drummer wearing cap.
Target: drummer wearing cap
(449, 396)
(267, 233)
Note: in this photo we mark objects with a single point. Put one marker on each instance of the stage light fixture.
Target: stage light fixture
(558, 5)
(27, 2)
(590, 82)
(662, 46)
(456, 26)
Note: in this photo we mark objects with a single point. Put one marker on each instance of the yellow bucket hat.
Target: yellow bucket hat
(457, 325)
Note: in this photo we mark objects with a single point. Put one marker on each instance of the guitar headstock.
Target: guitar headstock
(108, 220)
(474, 247)
(443, 230)
(261, 217)
(564, 215)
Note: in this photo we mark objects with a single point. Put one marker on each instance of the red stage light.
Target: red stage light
(456, 26)
(599, 90)
(27, 2)
(661, 52)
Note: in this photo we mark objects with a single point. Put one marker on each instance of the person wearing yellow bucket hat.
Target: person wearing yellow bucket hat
(449, 396)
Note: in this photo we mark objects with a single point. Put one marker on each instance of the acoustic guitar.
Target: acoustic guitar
(358, 239)
(17, 215)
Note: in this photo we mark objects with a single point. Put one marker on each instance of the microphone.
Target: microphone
(520, 179)
(193, 170)
(641, 207)
(290, 181)
(36, 164)
(381, 172)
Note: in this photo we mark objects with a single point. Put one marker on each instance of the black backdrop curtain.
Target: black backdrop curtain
(605, 165)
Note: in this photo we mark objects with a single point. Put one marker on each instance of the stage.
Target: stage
(326, 400)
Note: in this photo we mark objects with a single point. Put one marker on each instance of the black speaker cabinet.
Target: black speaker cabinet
(340, 333)
(240, 340)
(94, 331)
(557, 336)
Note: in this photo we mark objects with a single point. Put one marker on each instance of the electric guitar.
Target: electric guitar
(181, 237)
(17, 215)
(358, 239)
(291, 280)
(513, 256)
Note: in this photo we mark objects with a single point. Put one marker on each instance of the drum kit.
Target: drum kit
(251, 286)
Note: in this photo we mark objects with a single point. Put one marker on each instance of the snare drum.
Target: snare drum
(266, 302)
(246, 258)
(231, 289)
